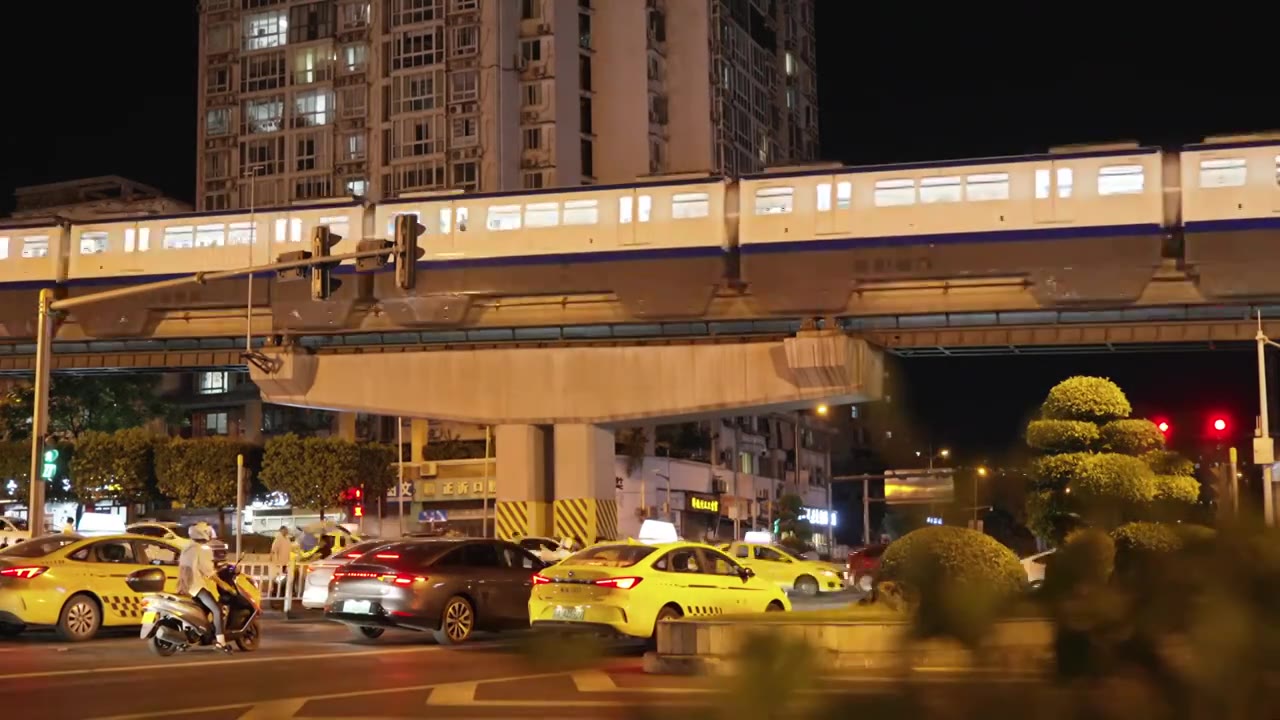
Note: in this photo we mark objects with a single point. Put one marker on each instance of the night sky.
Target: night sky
(115, 94)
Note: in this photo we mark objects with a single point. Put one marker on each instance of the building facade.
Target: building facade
(302, 99)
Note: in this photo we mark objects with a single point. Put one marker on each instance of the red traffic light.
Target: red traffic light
(359, 493)
(1163, 427)
(1219, 424)
(359, 511)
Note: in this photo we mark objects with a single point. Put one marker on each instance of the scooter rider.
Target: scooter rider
(197, 578)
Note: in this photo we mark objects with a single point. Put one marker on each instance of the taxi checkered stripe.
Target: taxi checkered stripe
(585, 519)
(512, 519)
(130, 606)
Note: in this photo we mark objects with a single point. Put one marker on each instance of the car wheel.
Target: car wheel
(865, 583)
(80, 619)
(775, 606)
(668, 612)
(251, 638)
(457, 622)
(807, 585)
(366, 633)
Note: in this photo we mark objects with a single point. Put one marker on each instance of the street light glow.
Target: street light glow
(982, 472)
(822, 409)
(945, 453)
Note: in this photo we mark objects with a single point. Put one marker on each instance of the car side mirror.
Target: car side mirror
(746, 574)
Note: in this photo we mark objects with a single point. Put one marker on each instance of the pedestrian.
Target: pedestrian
(69, 526)
(281, 550)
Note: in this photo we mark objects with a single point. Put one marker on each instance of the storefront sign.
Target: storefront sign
(820, 517)
(702, 503)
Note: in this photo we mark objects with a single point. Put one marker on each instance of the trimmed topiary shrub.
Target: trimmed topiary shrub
(1111, 477)
(1062, 436)
(1131, 437)
(1168, 462)
(1091, 399)
(1177, 489)
(1087, 558)
(1057, 471)
(1145, 548)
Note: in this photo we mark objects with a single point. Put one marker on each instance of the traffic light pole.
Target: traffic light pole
(1264, 446)
(44, 350)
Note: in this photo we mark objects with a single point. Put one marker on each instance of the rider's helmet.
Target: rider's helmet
(200, 532)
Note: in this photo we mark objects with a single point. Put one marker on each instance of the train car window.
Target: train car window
(295, 230)
(338, 224)
(1065, 182)
(686, 206)
(1278, 169)
(542, 215)
(1120, 180)
(4, 248)
(282, 228)
(824, 197)
(895, 192)
(391, 223)
(210, 235)
(777, 200)
(1222, 172)
(644, 207)
(92, 243)
(844, 195)
(444, 221)
(179, 237)
(241, 233)
(581, 212)
(940, 189)
(986, 186)
(624, 210)
(460, 217)
(36, 246)
(503, 217)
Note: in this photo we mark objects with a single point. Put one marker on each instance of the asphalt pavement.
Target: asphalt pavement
(313, 670)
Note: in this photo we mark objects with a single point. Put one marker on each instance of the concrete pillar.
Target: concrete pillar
(251, 424)
(345, 426)
(586, 504)
(523, 491)
(418, 433)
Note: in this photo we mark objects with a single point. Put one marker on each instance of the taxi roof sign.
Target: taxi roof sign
(658, 531)
(760, 537)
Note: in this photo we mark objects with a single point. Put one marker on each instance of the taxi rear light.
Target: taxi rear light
(25, 573)
(388, 556)
(620, 583)
(540, 579)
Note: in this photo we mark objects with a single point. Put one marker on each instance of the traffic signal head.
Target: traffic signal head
(1163, 427)
(406, 250)
(322, 282)
(359, 511)
(297, 273)
(1220, 424)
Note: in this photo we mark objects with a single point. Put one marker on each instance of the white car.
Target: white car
(318, 573)
(1035, 565)
(13, 531)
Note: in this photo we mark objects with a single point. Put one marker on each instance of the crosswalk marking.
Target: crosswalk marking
(590, 681)
(463, 693)
(274, 710)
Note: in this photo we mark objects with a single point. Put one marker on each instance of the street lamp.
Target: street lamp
(982, 472)
(822, 410)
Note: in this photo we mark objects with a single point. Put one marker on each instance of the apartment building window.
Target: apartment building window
(533, 180)
(315, 186)
(266, 154)
(530, 9)
(217, 122)
(312, 64)
(217, 164)
(357, 186)
(464, 86)
(263, 72)
(466, 131)
(531, 95)
(412, 12)
(353, 58)
(353, 146)
(312, 108)
(466, 41)
(263, 115)
(420, 136)
(584, 73)
(588, 158)
(531, 50)
(265, 30)
(215, 423)
(304, 158)
(464, 5)
(213, 383)
(311, 22)
(533, 139)
(353, 15)
(218, 80)
(418, 48)
(466, 175)
(584, 115)
(584, 31)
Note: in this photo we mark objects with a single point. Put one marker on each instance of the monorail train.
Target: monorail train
(1083, 224)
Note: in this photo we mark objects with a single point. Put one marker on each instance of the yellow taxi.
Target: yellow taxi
(78, 585)
(628, 587)
(786, 569)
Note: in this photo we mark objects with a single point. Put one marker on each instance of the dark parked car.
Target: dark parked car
(448, 587)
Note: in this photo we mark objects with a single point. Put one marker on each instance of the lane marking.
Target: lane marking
(594, 681)
(462, 693)
(274, 710)
(234, 661)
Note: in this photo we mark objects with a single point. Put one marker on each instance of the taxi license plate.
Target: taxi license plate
(573, 614)
(149, 616)
(361, 607)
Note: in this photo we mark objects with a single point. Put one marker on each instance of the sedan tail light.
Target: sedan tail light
(403, 579)
(620, 583)
(25, 573)
(347, 573)
(540, 579)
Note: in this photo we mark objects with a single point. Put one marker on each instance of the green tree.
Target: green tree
(793, 529)
(313, 472)
(201, 473)
(376, 471)
(116, 467)
(632, 443)
(78, 404)
(1097, 465)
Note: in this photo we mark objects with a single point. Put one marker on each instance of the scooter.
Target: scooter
(174, 623)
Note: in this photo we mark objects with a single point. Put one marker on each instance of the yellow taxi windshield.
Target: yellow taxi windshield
(618, 556)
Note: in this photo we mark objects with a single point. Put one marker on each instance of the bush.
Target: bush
(1168, 462)
(1087, 558)
(1062, 436)
(1112, 478)
(1143, 548)
(1086, 398)
(1177, 488)
(1131, 437)
(1056, 471)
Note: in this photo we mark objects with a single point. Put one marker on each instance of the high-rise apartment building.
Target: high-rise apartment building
(322, 98)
